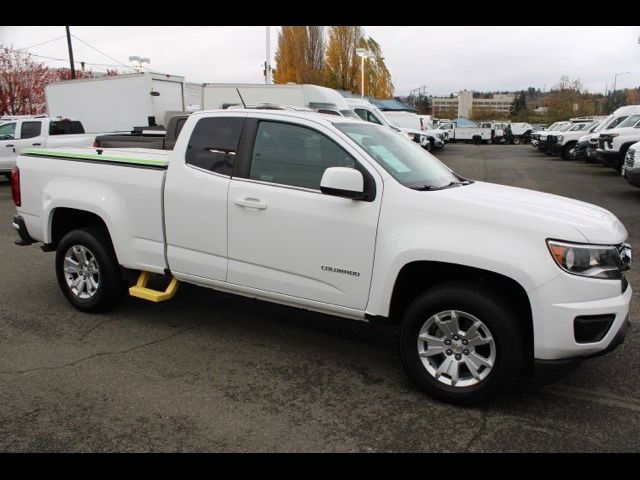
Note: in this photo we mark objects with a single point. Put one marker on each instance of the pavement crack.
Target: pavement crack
(95, 327)
(100, 354)
(481, 431)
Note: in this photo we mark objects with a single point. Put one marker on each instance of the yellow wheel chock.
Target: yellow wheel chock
(140, 289)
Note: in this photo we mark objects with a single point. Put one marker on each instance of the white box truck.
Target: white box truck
(223, 95)
(117, 103)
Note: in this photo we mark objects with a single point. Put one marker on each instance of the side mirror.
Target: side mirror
(342, 182)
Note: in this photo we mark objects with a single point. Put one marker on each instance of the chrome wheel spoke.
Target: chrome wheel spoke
(480, 360)
(444, 366)
(473, 368)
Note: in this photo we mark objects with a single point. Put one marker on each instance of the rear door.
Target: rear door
(285, 236)
(195, 199)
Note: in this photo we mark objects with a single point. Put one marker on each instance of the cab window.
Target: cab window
(7, 131)
(294, 155)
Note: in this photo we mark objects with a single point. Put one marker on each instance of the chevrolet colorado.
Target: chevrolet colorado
(327, 213)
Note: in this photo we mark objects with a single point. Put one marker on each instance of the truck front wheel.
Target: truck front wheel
(461, 344)
(87, 270)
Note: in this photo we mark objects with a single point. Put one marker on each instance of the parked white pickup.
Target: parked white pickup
(17, 133)
(345, 217)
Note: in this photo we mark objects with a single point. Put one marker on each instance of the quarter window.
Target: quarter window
(367, 116)
(30, 129)
(293, 155)
(213, 144)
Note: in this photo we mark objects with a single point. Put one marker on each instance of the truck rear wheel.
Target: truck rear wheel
(87, 270)
(461, 344)
(516, 140)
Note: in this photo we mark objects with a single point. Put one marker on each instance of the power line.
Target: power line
(38, 44)
(106, 55)
(75, 61)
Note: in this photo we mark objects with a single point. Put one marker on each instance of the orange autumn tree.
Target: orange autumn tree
(342, 65)
(300, 55)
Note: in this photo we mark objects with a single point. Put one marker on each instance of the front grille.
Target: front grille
(591, 328)
(629, 158)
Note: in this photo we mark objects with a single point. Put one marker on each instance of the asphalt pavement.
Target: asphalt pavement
(210, 371)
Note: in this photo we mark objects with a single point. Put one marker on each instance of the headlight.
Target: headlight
(560, 138)
(595, 261)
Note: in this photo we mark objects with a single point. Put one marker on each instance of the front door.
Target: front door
(285, 236)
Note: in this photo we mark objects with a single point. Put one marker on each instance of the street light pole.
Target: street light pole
(615, 80)
(362, 53)
(71, 64)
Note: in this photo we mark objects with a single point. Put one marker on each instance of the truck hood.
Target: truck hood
(552, 215)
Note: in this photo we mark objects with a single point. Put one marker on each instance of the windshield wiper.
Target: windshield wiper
(453, 183)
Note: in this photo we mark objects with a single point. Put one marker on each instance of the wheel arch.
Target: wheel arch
(415, 277)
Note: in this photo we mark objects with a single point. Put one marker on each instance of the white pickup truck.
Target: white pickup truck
(344, 217)
(467, 134)
(18, 133)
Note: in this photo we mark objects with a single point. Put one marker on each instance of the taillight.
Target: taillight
(15, 186)
(96, 144)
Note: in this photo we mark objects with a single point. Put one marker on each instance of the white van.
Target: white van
(223, 95)
(370, 113)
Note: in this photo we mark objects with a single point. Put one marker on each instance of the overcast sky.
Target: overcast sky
(445, 59)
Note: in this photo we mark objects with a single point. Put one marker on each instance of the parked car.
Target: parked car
(563, 143)
(467, 134)
(289, 207)
(370, 113)
(631, 165)
(613, 144)
(37, 131)
(413, 121)
(538, 134)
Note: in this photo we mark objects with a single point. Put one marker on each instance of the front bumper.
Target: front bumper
(609, 158)
(550, 371)
(632, 175)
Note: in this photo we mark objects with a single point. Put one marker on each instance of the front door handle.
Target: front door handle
(36, 144)
(250, 203)
(10, 146)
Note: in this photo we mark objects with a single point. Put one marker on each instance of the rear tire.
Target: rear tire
(87, 270)
(516, 140)
(476, 380)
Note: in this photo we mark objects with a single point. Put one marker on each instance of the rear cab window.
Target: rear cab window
(65, 127)
(214, 143)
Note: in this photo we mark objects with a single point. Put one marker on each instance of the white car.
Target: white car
(415, 122)
(562, 143)
(631, 165)
(340, 216)
(614, 143)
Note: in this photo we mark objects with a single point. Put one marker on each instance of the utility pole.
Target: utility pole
(73, 69)
(267, 63)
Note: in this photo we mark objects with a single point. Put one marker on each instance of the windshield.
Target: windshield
(630, 122)
(577, 127)
(405, 160)
(350, 113)
(552, 126)
(602, 124)
(563, 128)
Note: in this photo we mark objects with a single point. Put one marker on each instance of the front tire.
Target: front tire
(461, 344)
(87, 270)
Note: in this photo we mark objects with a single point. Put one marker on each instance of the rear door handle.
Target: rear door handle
(36, 144)
(250, 203)
(9, 146)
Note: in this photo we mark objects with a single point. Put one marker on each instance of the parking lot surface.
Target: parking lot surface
(209, 371)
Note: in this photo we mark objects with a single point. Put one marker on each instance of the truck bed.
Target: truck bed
(124, 187)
